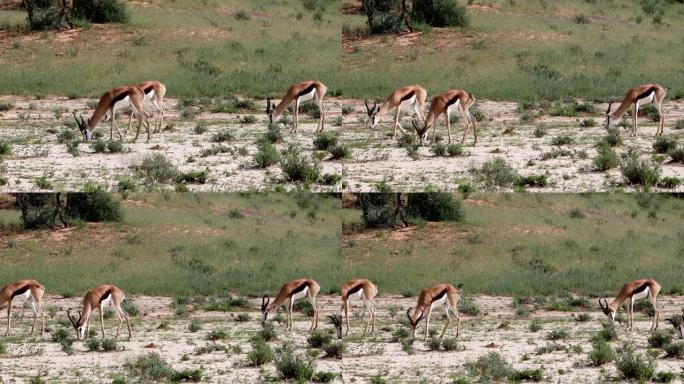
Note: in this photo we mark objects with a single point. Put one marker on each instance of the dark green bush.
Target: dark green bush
(334, 349)
(267, 155)
(659, 339)
(631, 365)
(46, 14)
(435, 206)
(93, 206)
(324, 141)
(318, 339)
(296, 167)
(639, 172)
(601, 353)
(440, 13)
(294, 367)
(606, 158)
(384, 16)
(664, 145)
(101, 11)
(260, 354)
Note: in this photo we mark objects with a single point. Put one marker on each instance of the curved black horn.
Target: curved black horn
(368, 110)
(264, 302)
(610, 104)
(375, 105)
(415, 126)
(672, 321)
(71, 318)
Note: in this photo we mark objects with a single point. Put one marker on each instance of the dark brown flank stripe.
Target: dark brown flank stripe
(300, 288)
(640, 289)
(439, 297)
(307, 90)
(21, 290)
(103, 297)
(119, 97)
(408, 96)
(453, 100)
(648, 92)
(148, 89)
(355, 289)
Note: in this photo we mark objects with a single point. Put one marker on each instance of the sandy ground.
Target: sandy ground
(496, 329)
(32, 127)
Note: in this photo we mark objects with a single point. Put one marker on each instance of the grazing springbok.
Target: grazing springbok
(24, 289)
(631, 292)
(154, 92)
(99, 298)
(429, 298)
(638, 96)
(410, 96)
(109, 103)
(293, 291)
(444, 104)
(306, 90)
(365, 291)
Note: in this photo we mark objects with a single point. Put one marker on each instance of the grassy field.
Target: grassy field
(525, 50)
(197, 48)
(185, 243)
(522, 244)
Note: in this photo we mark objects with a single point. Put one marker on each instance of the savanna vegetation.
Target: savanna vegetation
(198, 48)
(181, 244)
(520, 50)
(521, 244)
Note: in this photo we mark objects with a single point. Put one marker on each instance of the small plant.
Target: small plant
(99, 146)
(267, 155)
(318, 339)
(115, 146)
(223, 136)
(562, 140)
(606, 158)
(407, 345)
(340, 152)
(679, 124)
(587, 123)
(557, 334)
(324, 141)
(248, 119)
(412, 152)
(439, 149)
(292, 366)
(335, 349)
(150, 367)
(156, 169)
(639, 172)
(267, 332)
(631, 365)
(669, 182)
(677, 155)
(406, 140)
(217, 334)
(664, 377)
(3, 348)
(295, 167)
(538, 181)
(612, 138)
(582, 19)
(260, 354)
(583, 317)
(674, 350)
(601, 353)
(109, 345)
(195, 326)
(664, 145)
(192, 177)
(273, 134)
(324, 377)
(608, 332)
(535, 326)
(434, 343)
(6, 106)
(93, 344)
(243, 317)
(540, 131)
(489, 367)
(200, 128)
(66, 135)
(455, 150)
(468, 307)
(72, 147)
(496, 173)
(659, 339)
(449, 344)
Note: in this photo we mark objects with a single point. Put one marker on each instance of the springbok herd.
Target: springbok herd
(442, 295)
(410, 97)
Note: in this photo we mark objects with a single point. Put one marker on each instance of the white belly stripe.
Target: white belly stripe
(308, 96)
(641, 295)
(300, 295)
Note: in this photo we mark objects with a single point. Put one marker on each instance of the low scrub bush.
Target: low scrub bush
(631, 365)
(435, 206)
(101, 11)
(260, 354)
(496, 173)
(601, 353)
(440, 13)
(324, 141)
(606, 158)
(293, 367)
(296, 167)
(334, 349)
(267, 155)
(639, 172)
(156, 168)
(664, 144)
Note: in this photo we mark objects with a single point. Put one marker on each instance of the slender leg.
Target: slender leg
(636, 112)
(111, 126)
(289, 317)
(473, 122)
(427, 323)
(631, 313)
(373, 318)
(9, 318)
(448, 320)
(35, 316)
(366, 307)
(130, 123)
(661, 120)
(42, 318)
(102, 322)
(458, 323)
(120, 317)
(321, 120)
(345, 304)
(396, 122)
(128, 323)
(296, 120)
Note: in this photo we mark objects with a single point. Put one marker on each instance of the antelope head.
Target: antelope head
(677, 322)
(609, 118)
(372, 113)
(270, 109)
(264, 308)
(83, 126)
(79, 327)
(606, 309)
(414, 324)
(336, 321)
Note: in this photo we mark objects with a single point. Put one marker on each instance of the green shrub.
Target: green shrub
(535, 326)
(639, 172)
(583, 317)
(439, 149)
(150, 367)
(613, 137)
(331, 179)
(489, 367)
(450, 344)
(675, 350)
(66, 136)
(659, 339)
(46, 14)
(217, 334)
(325, 140)
(267, 332)
(677, 155)
(98, 146)
(223, 136)
(454, 150)
(406, 140)
(664, 144)
(260, 354)
(318, 339)
(528, 374)
(195, 326)
(679, 124)
(582, 19)
(294, 367)
(93, 344)
(273, 134)
(267, 155)
(6, 105)
(72, 147)
(669, 182)
(539, 181)
(115, 146)
(562, 140)
(200, 128)
(631, 365)
(608, 332)
(496, 173)
(93, 206)
(340, 152)
(156, 169)
(434, 343)
(440, 13)
(468, 307)
(192, 177)
(101, 11)
(601, 353)
(109, 345)
(557, 334)
(434, 206)
(540, 131)
(334, 349)
(664, 377)
(248, 119)
(295, 167)
(194, 375)
(587, 123)
(606, 158)
(324, 377)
